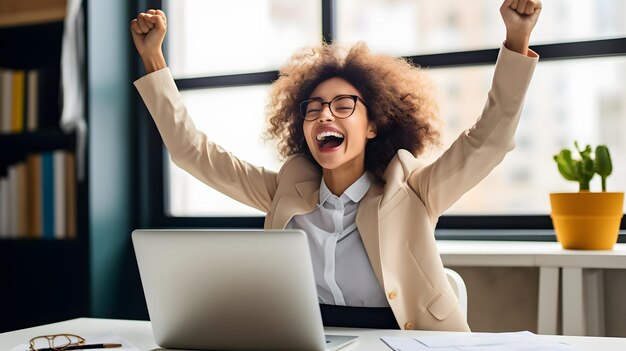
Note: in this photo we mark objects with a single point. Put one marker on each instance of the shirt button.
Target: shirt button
(408, 326)
(392, 294)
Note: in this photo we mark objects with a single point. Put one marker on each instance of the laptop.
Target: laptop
(231, 290)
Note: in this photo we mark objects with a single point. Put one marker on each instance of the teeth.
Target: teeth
(322, 135)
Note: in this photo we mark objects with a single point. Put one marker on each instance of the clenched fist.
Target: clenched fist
(520, 17)
(148, 31)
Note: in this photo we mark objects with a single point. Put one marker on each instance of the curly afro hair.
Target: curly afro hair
(399, 96)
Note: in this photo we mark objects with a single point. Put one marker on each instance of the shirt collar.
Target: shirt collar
(355, 192)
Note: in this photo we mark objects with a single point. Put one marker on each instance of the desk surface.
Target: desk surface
(139, 333)
(527, 254)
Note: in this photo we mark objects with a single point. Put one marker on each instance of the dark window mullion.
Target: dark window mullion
(582, 49)
(560, 51)
(150, 168)
(328, 21)
(227, 81)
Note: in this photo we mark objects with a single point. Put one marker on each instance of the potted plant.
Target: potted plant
(586, 220)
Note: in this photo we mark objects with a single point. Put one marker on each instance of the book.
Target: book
(35, 195)
(21, 207)
(17, 108)
(12, 201)
(4, 207)
(70, 177)
(47, 172)
(6, 81)
(32, 103)
(59, 194)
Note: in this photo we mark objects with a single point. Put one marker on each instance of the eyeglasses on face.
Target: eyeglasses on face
(57, 342)
(341, 106)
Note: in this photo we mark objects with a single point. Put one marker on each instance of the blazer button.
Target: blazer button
(408, 326)
(392, 294)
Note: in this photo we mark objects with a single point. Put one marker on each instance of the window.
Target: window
(582, 100)
(214, 113)
(417, 27)
(208, 38)
(221, 55)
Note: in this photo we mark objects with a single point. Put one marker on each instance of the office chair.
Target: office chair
(460, 290)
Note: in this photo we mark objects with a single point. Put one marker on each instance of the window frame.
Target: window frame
(153, 165)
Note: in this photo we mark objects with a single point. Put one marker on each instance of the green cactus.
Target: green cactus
(582, 170)
(602, 164)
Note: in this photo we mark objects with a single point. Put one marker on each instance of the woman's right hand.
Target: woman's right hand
(148, 31)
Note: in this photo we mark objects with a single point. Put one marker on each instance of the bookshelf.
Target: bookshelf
(43, 279)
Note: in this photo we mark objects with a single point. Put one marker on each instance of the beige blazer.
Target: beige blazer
(396, 218)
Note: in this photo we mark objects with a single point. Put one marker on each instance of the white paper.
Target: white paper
(104, 338)
(403, 343)
(475, 339)
(517, 341)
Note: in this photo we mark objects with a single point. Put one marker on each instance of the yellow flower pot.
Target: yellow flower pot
(587, 220)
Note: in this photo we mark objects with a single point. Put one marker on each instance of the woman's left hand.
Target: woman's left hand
(520, 17)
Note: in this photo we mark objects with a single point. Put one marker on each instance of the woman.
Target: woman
(351, 126)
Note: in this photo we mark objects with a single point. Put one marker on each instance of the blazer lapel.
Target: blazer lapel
(367, 222)
(289, 205)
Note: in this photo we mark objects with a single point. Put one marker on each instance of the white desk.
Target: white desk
(139, 333)
(580, 271)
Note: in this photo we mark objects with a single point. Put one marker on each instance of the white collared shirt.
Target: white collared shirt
(343, 272)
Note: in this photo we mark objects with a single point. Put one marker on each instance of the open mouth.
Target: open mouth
(329, 139)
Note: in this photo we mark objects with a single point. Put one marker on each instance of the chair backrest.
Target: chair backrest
(458, 285)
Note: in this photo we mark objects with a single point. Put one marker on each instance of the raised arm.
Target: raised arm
(189, 148)
(483, 146)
